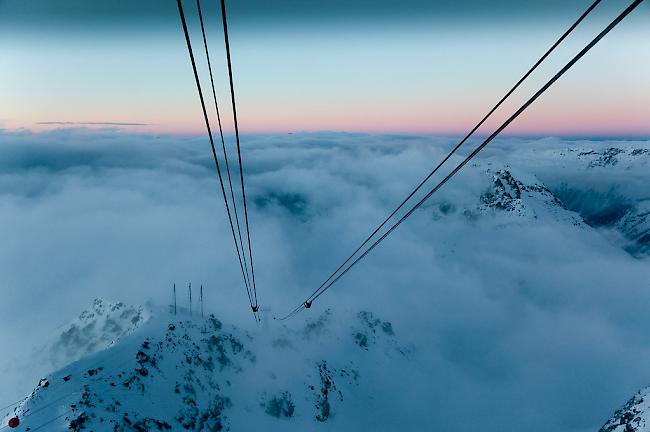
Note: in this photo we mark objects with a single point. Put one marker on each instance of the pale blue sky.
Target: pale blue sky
(436, 68)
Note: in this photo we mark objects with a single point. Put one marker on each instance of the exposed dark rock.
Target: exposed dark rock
(280, 405)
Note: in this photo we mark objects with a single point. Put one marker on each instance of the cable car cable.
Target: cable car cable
(223, 143)
(241, 167)
(453, 151)
(214, 152)
(548, 84)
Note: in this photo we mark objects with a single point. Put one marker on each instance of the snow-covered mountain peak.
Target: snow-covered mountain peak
(190, 373)
(634, 416)
(95, 329)
(612, 156)
(524, 196)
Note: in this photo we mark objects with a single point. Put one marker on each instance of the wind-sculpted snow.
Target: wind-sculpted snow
(184, 373)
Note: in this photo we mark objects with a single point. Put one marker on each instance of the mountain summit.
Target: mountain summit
(190, 373)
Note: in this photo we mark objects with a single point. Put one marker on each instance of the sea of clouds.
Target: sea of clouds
(519, 323)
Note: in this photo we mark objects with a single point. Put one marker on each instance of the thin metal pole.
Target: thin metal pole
(201, 301)
(174, 298)
(190, 298)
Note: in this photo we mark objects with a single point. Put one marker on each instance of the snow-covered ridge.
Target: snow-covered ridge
(606, 185)
(189, 373)
(591, 197)
(631, 215)
(634, 416)
(635, 227)
(612, 156)
(529, 199)
(502, 191)
(95, 329)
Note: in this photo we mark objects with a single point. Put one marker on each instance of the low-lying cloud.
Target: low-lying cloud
(531, 323)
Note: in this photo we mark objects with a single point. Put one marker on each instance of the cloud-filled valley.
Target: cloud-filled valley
(522, 285)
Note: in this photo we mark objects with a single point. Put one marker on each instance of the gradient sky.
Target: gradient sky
(414, 66)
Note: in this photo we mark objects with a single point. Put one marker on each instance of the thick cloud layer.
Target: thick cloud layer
(534, 323)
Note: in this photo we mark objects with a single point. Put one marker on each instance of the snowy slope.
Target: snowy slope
(525, 196)
(606, 185)
(341, 370)
(95, 329)
(635, 227)
(634, 416)
(632, 219)
(167, 372)
(183, 373)
(507, 195)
